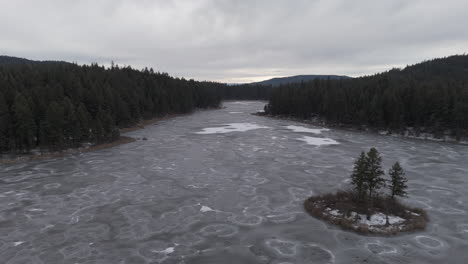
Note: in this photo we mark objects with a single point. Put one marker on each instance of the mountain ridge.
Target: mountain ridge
(12, 60)
(298, 78)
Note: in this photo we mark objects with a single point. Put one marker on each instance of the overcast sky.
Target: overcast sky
(237, 40)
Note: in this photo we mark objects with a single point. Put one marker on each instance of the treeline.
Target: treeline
(263, 90)
(247, 92)
(430, 96)
(60, 105)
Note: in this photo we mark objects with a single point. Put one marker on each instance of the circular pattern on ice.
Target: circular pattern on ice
(282, 247)
(188, 239)
(281, 218)
(317, 254)
(247, 190)
(379, 248)
(246, 220)
(220, 230)
(54, 185)
(299, 194)
(429, 242)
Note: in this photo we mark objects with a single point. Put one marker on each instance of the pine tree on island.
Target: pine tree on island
(397, 182)
(374, 173)
(358, 179)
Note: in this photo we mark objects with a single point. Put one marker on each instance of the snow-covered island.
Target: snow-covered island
(367, 208)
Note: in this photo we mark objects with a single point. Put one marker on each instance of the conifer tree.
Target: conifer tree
(358, 177)
(53, 126)
(373, 176)
(84, 121)
(4, 124)
(397, 181)
(25, 126)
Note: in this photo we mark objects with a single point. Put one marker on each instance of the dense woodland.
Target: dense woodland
(263, 90)
(57, 105)
(430, 96)
(247, 92)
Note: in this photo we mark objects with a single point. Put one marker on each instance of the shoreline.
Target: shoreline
(58, 154)
(146, 122)
(425, 136)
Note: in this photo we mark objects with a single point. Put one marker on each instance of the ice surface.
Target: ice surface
(187, 198)
(316, 141)
(306, 129)
(233, 127)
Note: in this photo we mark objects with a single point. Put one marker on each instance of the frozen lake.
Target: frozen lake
(224, 186)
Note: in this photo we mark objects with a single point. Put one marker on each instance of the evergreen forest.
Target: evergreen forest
(57, 105)
(431, 96)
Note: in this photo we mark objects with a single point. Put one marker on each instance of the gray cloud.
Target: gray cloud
(236, 41)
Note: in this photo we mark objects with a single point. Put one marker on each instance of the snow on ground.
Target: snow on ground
(334, 212)
(306, 129)
(233, 127)
(316, 141)
(378, 219)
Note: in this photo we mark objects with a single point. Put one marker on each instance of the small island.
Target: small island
(372, 206)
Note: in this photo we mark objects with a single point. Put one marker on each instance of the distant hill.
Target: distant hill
(298, 79)
(8, 60)
(13, 60)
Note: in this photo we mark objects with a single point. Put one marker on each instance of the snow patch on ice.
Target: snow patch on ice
(233, 127)
(168, 250)
(236, 112)
(165, 251)
(205, 209)
(35, 210)
(197, 186)
(18, 243)
(240, 103)
(307, 130)
(316, 141)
